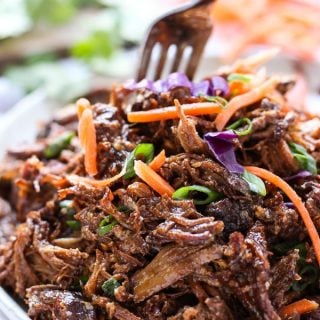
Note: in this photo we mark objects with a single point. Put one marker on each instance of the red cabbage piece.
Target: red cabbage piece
(160, 86)
(220, 86)
(216, 86)
(221, 145)
(301, 174)
(145, 84)
(178, 79)
(201, 88)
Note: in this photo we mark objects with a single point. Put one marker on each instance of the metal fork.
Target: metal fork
(188, 26)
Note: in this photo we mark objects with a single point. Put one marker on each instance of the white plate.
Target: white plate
(9, 309)
(21, 123)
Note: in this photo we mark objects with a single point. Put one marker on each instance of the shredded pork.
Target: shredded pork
(73, 249)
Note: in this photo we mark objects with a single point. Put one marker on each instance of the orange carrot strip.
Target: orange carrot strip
(244, 100)
(296, 200)
(81, 105)
(299, 307)
(82, 129)
(238, 87)
(158, 161)
(150, 177)
(87, 135)
(193, 109)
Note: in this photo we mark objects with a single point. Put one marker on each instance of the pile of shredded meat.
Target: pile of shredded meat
(81, 246)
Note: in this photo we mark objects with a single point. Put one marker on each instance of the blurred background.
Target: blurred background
(66, 48)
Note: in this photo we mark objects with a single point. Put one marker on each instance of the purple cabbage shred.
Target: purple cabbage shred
(216, 86)
(301, 174)
(221, 145)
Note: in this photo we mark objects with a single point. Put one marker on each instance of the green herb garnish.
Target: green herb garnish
(125, 209)
(219, 100)
(79, 283)
(83, 280)
(54, 149)
(106, 225)
(74, 225)
(304, 159)
(66, 208)
(247, 129)
(144, 152)
(110, 286)
(200, 195)
(239, 77)
(256, 185)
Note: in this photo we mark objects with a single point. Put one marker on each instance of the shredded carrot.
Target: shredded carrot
(238, 87)
(299, 307)
(296, 200)
(157, 183)
(87, 136)
(193, 109)
(81, 105)
(244, 100)
(158, 161)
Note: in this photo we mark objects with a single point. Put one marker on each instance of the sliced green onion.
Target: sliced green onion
(144, 152)
(219, 100)
(65, 204)
(66, 208)
(124, 209)
(83, 280)
(242, 132)
(239, 77)
(106, 225)
(256, 185)
(79, 283)
(73, 224)
(54, 149)
(305, 160)
(110, 286)
(192, 192)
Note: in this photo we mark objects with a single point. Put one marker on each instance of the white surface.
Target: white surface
(21, 123)
(9, 309)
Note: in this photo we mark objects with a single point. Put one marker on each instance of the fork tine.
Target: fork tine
(161, 62)
(177, 58)
(145, 59)
(194, 60)
(187, 26)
